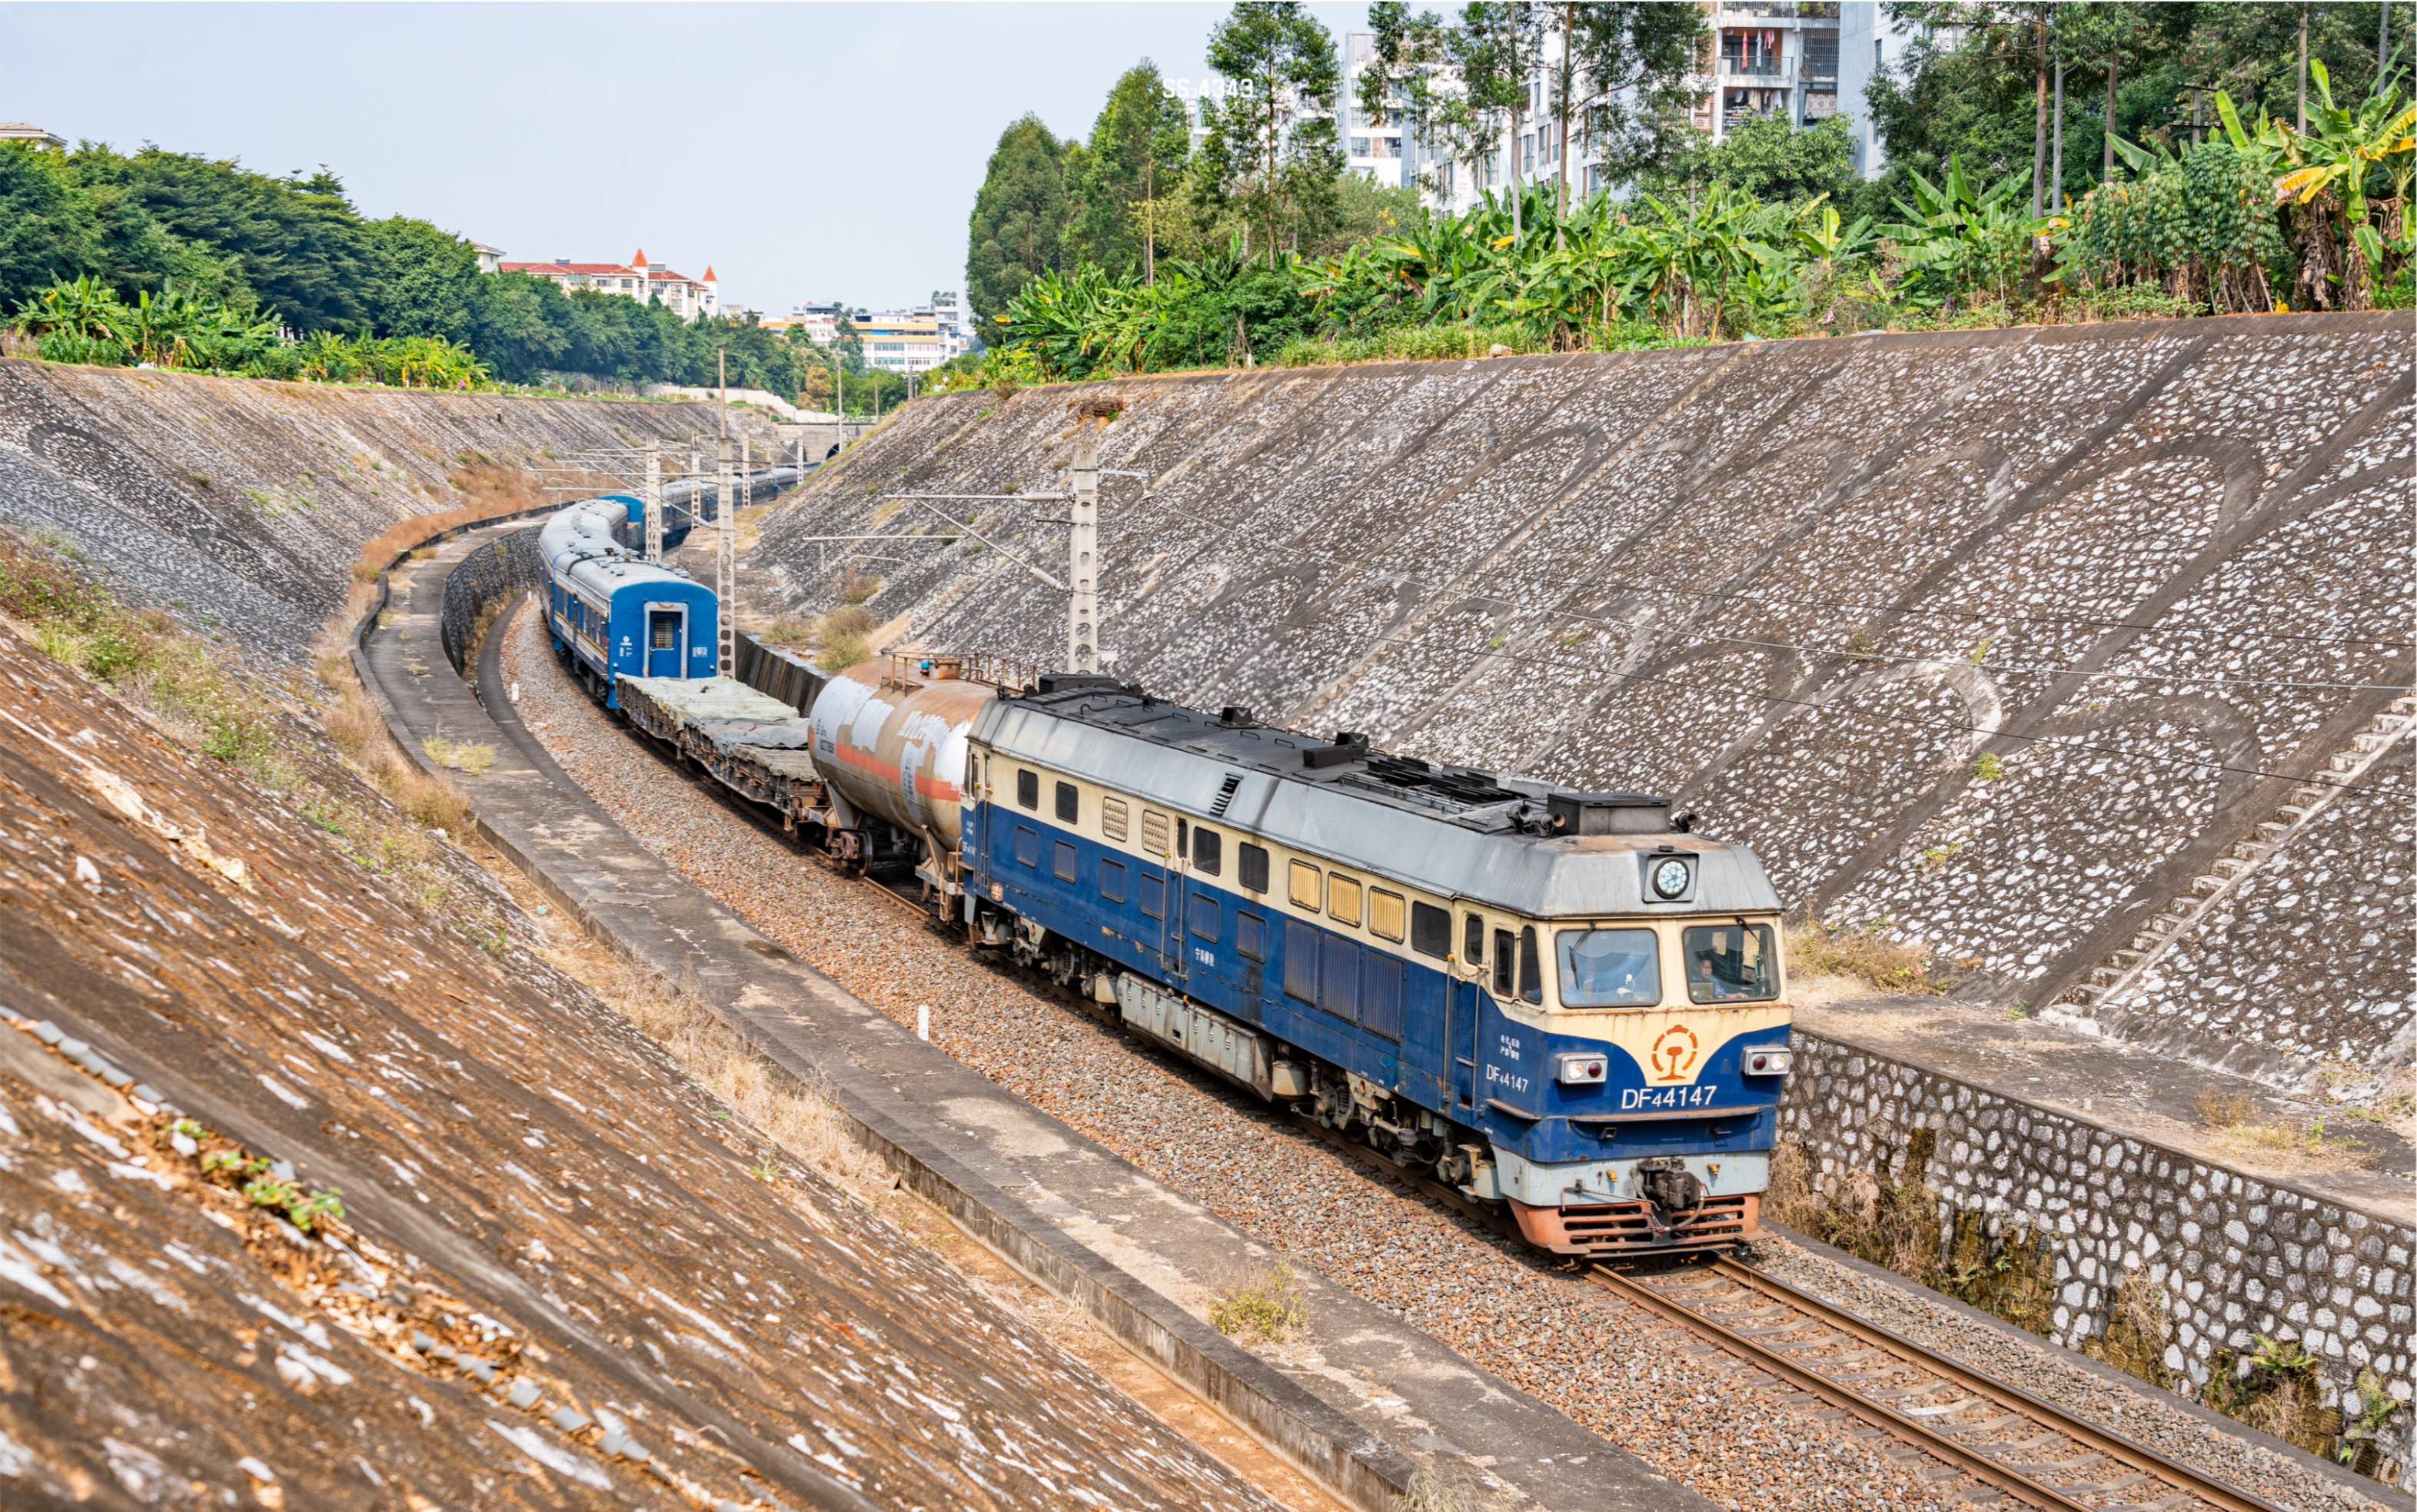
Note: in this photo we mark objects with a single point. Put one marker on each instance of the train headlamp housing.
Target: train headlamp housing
(1670, 876)
(1766, 1060)
(1589, 1070)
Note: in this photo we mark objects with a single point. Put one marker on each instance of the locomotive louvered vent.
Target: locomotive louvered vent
(1607, 813)
(1225, 793)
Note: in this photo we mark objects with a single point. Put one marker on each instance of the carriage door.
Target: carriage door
(666, 640)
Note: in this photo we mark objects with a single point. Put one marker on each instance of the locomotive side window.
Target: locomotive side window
(1064, 863)
(1384, 914)
(1027, 789)
(1609, 968)
(1027, 845)
(1201, 914)
(1182, 836)
(1430, 930)
(1251, 935)
(1472, 943)
(1069, 803)
(1731, 963)
(1111, 817)
(1154, 895)
(1304, 885)
(1112, 881)
(1208, 850)
(1502, 968)
(1254, 868)
(1343, 899)
(1153, 832)
(1300, 961)
(1531, 969)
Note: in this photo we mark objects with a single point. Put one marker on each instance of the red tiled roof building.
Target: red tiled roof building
(686, 297)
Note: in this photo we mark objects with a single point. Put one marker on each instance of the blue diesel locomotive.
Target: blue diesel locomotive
(1554, 999)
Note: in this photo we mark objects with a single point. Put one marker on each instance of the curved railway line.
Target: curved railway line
(2011, 1447)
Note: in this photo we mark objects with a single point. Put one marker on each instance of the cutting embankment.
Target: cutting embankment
(329, 1183)
(2063, 671)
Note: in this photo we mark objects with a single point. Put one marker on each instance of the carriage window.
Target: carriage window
(1609, 968)
(1304, 885)
(1430, 930)
(1182, 840)
(1731, 963)
(1154, 895)
(1502, 966)
(1112, 881)
(1251, 935)
(1343, 899)
(1201, 914)
(1069, 803)
(1064, 863)
(1027, 789)
(1473, 940)
(1531, 969)
(1111, 817)
(1027, 845)
(666, 631)
(1254, 868)
(1384, 915)
(1153, 832)
(1208, 850)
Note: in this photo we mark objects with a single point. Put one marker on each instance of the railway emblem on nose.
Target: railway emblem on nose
(1674, 1052)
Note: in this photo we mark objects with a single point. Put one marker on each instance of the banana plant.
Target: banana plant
(2355, 156)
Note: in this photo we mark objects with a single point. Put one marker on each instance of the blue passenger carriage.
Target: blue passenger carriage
(613, 615)
(1558, 1000)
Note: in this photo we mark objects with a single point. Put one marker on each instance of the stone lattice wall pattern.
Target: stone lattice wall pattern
(1991, 641)
(2228, 1257)
(242, 504)
(510, 564)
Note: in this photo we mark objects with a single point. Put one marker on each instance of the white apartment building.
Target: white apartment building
(909, 340)
(33, 135)
(637, 278)
(1806, 60)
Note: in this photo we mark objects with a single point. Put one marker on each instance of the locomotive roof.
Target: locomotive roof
(1456, 831)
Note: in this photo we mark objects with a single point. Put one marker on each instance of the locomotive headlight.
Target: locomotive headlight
(1769, 1060)
(1583, 1070)
(1670, 879)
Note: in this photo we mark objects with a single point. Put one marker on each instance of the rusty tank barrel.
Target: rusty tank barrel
(890, 737)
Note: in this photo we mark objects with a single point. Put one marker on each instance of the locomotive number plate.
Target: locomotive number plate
(1640, 1097)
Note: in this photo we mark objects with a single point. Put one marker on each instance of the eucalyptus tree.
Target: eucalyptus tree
(1018, 226)
(1139, 147)
(1624, 79)
(1461, 88)
(1276, 126)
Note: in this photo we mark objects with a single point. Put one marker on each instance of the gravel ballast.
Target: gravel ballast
(1641, 1384)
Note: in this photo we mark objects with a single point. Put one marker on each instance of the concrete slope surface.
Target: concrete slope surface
(1993, 641)
(557, 1280)
(242, 503)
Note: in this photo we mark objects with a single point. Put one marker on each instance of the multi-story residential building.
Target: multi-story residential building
(637, 278)
(1805, 60)
(911, 341)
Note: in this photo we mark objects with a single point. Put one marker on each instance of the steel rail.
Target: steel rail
(1972, 1460)
(1971, 1463)
(2106, 1442)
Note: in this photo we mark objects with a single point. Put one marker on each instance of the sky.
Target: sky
(804, 151)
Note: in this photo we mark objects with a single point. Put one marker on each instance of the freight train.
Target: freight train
(1563, 1003)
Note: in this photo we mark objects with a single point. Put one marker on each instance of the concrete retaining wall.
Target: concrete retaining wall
(2229, 1257)
(510, 564)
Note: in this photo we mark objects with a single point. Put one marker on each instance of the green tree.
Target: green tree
(49, 230)
(423, 281)
(1276, 127)
(1018, 226)
(1138, 150)
(1623, 84)
(1772, 158)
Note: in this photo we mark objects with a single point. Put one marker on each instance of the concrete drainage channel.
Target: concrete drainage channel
(1078, 1221)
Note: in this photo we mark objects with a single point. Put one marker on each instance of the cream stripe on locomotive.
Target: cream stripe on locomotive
(1147, 832)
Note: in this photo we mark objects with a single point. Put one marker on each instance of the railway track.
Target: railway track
(2028, 1451)
(2012, 1446)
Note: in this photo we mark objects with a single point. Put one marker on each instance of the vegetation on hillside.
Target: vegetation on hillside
(2201, 199)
